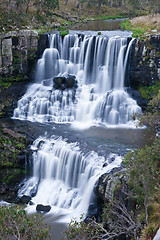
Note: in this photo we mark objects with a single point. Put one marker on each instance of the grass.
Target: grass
(137, 31)
(149, 22)
(108, 17)
(143, 25)
(63, 33)
(149, 91)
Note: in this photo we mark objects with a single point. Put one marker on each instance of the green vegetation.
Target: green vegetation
(7, 81)
(137, 31)
(152, 116)
(49, 14)
(63, 33)
(149, 91)
(143, 174)
(83, 230)
(12, 146)
(108, 17)
(16, 224)
(18, 13)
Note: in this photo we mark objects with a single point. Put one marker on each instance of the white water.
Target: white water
(100, 65)
(157, 236)
(64, 177)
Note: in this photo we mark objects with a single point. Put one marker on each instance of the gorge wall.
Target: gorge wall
(18, 51)
(145, 61)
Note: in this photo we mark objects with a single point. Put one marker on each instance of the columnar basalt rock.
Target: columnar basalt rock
(145, 61)
(17, 50)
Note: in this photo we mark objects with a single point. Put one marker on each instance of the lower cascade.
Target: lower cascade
(64, 177)
(97, 66)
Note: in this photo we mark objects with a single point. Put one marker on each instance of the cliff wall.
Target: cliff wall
(18, 51)
(145, 61)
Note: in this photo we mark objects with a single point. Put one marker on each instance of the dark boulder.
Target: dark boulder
(63, 83)
(31, 203)
(43, 208)
(25, 199)
(135, 94)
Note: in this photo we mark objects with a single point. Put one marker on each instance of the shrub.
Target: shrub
(16, 224)
(152, 116)
(142, 170)
(88, 229)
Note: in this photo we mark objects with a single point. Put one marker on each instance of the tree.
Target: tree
(152, 116)
(142, 170)
(16, 224)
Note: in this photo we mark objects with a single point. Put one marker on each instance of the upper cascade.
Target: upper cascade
(99, 64)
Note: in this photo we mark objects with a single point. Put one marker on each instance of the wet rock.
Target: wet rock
(107, 183)
(31, 203)
(3, 188)
(144, 62)
(135, 94)
(92, 210)
(25, 199)
(43, 208)
(65, 82)
(43, 43)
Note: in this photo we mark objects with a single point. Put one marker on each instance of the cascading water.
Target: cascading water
(64, 176)
(99, 64)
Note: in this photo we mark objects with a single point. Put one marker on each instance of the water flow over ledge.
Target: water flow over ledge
(99, 65)
(64, 177)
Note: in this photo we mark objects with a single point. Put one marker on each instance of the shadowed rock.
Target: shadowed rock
(25, 199)
(43, 208)
(65, 82)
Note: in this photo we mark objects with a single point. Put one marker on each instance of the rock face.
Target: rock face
(18, 49)
(145, 61)
(107, 183)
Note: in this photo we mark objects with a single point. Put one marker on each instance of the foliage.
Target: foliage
(63, 33)
(142, 170)
(10, 149)
(149, 91)
(81, 230)
(118, 217)
(16, 224)
(137, 31)
(149, 231)
(152, 116)
(16, 12)
(117, 221)
(154, 218)
(108, 17)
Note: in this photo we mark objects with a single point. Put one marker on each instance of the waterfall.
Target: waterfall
(99, 64)
(157, 236)
(64, 176)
